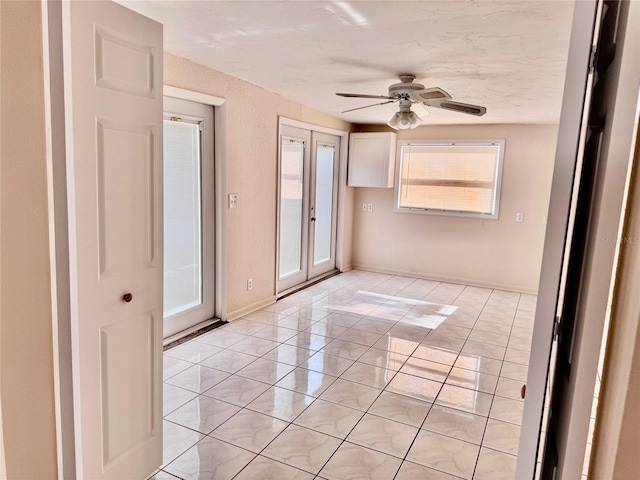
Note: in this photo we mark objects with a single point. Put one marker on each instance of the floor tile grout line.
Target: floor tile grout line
(356, 424)
(486, 425)
(347, 435)
(492, 397)
(423, 421)
(490, 407)
(289, 423)
(436, 397)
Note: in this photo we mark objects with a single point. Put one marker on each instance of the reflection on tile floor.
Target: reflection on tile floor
(364, 375)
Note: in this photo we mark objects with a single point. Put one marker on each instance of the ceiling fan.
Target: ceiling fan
(406, 93)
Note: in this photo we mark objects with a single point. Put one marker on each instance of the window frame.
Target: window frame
(443, 212)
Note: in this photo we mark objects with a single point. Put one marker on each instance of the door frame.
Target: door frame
(54, 104)
(342, 190)
(56, 163)
(600, 248)
(557, 226)
(219, 193)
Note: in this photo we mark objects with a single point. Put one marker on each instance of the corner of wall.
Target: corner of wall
(26, 348)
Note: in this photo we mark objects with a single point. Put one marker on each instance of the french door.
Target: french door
(189, 225)
(308, 187)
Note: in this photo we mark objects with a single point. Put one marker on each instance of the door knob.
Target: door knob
(127, 297)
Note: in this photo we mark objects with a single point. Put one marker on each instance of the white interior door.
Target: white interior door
(113, 117)
(189, 223)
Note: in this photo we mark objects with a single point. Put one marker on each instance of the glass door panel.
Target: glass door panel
(182, 217)
(325, 155)
(291, 207)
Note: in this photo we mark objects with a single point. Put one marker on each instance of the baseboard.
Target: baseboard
(346, 268)
(241, 312)
(448, 279)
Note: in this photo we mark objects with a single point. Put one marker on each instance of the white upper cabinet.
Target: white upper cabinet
(372, 159)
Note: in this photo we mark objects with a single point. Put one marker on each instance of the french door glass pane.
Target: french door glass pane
(182, 217)
(323, 204)
(291, 187)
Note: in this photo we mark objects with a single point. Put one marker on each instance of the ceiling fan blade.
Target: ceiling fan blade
(359, 95)
(420, 109)
(460, 107)
(429, 94)
(367, 106)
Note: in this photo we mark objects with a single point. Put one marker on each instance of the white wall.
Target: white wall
(251, 171)
(26, 345)
(498, 253)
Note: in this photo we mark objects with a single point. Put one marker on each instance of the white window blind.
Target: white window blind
(446, 178)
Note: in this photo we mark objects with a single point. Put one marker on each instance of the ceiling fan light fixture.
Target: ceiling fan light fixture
(393, 123)
(404, 120)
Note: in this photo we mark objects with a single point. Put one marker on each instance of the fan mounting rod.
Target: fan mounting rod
(405, 105)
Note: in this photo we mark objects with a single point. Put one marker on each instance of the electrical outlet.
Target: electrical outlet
(233, 200)
(364, 207)
(519, 217)
(370, 207)
(250, 284)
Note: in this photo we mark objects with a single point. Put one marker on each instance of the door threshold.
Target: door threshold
(191, 332)
(307, 284)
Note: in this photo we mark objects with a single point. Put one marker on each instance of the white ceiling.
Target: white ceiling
(509, 56)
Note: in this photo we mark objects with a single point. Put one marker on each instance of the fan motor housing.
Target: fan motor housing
(405, 88)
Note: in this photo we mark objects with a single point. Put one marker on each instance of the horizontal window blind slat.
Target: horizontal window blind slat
(424, 182)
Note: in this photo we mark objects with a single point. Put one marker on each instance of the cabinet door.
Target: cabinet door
(372, 159)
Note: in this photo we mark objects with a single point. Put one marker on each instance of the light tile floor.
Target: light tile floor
(362, 376)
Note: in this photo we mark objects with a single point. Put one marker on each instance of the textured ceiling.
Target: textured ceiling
(509, 56)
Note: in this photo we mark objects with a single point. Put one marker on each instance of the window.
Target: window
(450, 178)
